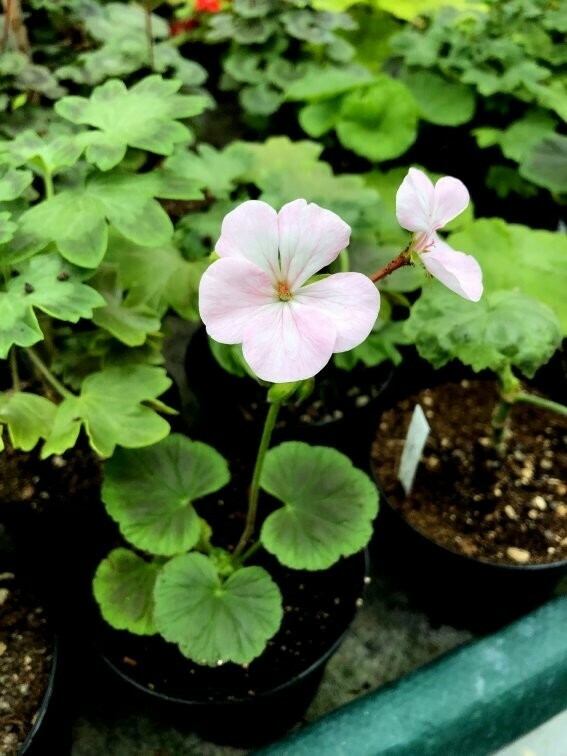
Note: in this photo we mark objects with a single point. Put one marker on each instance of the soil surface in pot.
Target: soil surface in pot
(510, 509)
(25, 662)
(318, 607)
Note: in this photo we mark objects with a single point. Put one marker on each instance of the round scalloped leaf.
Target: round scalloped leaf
(546, 164)
(379, 123)
(123, 587)
(150, 491)
(328, 507)
(215, 621)
(252, 8)
(261, 99)
(505, 328)
(7, 228)
(28, 416)
(443, 102)
(316, 118)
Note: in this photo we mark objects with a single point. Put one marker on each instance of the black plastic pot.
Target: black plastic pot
(456, 589)
(239, 720)
(49, 732)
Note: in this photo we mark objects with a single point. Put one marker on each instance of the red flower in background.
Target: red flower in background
(207, 6)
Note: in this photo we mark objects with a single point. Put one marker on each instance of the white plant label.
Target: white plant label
(418, 432)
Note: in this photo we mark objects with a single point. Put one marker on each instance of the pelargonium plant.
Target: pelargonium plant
(264, 291)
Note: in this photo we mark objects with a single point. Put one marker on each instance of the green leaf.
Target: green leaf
(321, 82)
(51, 153)
(52, 285)
(244, 67)
(380, 346)
(215, 621)
(159, 277)
(379, 123)
(18, 324)
(505, 328)
(440, 101)
(261, 99)
(128, 320)
(328, 507)
(7, 228)
(126, 200)
(519, 139)
(253, 8)
(110, 408)
(285, 170)
(150, 492)
(123, 586)
(29, 418)
(211, 169)
(48, 283)
(546, 163)
(76, 219)
(514, 256)
(13, 183)
(319, 117)
(71, 219)
(144, 116)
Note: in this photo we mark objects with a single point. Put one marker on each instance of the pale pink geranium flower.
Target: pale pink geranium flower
(423, 209)
(257, 293)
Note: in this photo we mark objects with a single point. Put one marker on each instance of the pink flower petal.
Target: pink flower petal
(310, 238)
(288, 342)
(250, 232)
(451, 197)
(350, 300)
(414, 201)
(231, 292)
(424, 208)
(457, 271)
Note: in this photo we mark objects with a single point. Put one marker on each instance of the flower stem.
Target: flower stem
(255, 485)
(48, 375)
(344, 261)
(398, 262)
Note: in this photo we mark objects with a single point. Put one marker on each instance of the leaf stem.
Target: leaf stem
(344, 261)
(255, 485)
(540, 401)
(250, 552)
(48, 375)
(16, 384)
(47, 181)
(149, 32)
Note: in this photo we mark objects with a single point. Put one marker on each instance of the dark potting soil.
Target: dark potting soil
(510, 509)
(25, 661)
(318, 608)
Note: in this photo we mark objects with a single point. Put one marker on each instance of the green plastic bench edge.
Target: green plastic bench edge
(471, 701)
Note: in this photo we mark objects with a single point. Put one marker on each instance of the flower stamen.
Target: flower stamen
(283, 292)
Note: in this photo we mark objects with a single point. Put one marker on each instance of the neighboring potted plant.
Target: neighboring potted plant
(30, 662)
(490, 490)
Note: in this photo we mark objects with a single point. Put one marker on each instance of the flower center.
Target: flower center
(283, 292)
